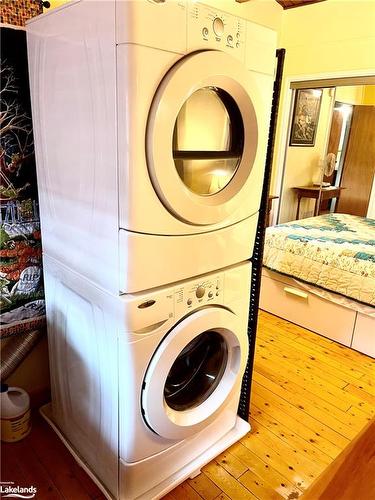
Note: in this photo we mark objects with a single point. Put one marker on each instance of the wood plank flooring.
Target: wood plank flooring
(311, 397)
(41, 460)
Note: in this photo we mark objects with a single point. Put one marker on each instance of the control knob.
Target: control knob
(218, 26)
(200, 291)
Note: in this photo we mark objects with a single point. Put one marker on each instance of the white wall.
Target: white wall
(326, 39)
(350, 95)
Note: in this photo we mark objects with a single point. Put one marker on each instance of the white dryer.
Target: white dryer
(145, 387)
(151, 121)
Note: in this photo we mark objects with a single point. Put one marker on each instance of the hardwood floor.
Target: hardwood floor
(311, 397)
(42, 461)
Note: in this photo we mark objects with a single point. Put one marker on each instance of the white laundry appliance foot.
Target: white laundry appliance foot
(195, 474)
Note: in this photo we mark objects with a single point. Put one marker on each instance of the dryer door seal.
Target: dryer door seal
(202, 137)
(193, 372)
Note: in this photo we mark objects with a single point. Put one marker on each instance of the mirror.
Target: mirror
(330, 156)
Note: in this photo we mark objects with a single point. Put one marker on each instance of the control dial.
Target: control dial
(218, 26)
(200, 291)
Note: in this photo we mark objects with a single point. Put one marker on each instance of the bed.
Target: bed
(320, 274)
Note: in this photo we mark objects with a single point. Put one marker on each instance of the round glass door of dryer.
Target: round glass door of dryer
(194, 371)
(208, 140)
(202, 137)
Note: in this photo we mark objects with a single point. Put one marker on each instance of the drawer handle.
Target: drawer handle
(295, 291)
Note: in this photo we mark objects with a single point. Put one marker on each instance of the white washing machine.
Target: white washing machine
(145, 387)
(151, 121)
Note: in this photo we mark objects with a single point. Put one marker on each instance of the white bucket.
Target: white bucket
(15, 413)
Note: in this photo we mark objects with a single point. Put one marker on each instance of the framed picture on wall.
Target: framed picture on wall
(305, 117)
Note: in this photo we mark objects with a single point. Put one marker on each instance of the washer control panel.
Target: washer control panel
(213, 28)
(148, 311)
(202, 292)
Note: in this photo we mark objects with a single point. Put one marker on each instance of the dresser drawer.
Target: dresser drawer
(283, 298)
(364, 335)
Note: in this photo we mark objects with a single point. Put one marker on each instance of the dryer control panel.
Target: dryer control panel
(214, 29)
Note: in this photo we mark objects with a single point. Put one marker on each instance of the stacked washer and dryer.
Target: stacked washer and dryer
(150, 121)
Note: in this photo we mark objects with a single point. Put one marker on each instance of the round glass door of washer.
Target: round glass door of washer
(196, 372)
(208, 140)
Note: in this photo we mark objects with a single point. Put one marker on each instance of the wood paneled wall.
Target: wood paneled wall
(289, 4)
(17, 12)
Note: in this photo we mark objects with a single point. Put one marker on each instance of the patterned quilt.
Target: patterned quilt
(335, 252)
